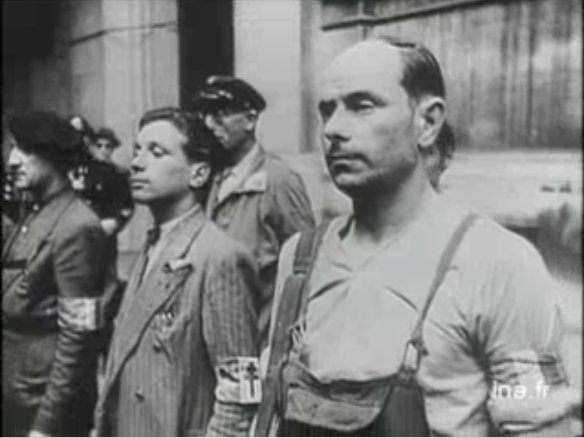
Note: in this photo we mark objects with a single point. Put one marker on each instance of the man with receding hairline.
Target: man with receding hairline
(414, 308)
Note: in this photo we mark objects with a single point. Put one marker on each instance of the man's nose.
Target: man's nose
(210, 121)
(137, 163)
(336, 126)
(14, 158)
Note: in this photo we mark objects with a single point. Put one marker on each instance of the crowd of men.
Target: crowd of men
(409, 316)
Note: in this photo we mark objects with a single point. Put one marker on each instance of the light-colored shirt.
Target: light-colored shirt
(495, 317)
(234, 176)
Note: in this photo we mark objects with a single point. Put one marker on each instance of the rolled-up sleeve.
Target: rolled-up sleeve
(230, 332)
(79, 268)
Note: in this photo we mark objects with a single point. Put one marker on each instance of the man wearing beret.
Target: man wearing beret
(53, 275)
(257, 199)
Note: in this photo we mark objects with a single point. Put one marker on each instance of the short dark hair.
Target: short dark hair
(422, 75)
(201, 145)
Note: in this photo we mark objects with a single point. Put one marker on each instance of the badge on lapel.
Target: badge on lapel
(177, 265)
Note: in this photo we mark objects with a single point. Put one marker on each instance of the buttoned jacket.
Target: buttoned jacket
(53, 274)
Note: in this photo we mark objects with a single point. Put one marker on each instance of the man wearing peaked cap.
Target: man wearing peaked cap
(256, 198)
(227, 91)
(52, 278)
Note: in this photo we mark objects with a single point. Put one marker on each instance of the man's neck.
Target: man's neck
(240, 152)
(382, 214)
(54, 186)
(163, 212)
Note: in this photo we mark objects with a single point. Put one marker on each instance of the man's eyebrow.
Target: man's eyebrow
(362, 94)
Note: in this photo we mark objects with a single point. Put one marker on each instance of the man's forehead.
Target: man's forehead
(365, 63)
(159, 131)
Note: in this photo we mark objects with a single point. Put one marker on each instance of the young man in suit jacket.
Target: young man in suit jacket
(183, 357)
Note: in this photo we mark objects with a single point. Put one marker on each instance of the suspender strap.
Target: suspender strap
(288, 312)
(416, 338)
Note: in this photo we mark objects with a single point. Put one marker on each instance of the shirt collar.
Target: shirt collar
(242, 168)
(167, 227)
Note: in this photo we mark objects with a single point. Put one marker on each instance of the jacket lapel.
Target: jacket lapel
(164, 278)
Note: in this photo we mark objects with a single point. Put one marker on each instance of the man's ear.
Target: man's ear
(252, 119)
(200, 174)
(431, 114)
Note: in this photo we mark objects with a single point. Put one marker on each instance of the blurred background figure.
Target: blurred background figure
(105, 187)
(101, 183)
(104, 145)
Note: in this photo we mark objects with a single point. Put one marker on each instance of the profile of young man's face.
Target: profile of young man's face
(368, 118)
(160, 170)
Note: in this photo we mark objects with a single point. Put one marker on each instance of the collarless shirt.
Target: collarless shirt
(494, 317)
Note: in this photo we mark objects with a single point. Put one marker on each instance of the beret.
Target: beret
(108, 134)
(221, 92)
(44, 133)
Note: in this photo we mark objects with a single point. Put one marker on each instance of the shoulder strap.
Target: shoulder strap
(416, 338)
(288, 312)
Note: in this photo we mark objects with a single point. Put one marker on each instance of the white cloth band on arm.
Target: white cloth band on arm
(238, 380)
(78, 314)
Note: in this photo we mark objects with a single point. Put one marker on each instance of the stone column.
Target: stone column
(124, 61)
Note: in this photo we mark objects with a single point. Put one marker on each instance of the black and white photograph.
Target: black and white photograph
(292, 218)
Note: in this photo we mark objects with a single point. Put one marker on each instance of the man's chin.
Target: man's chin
(22, 186)
(140, 197)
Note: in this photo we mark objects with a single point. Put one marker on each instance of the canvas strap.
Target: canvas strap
(416, 348)
(288, 313)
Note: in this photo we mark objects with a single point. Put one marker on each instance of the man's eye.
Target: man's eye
(363, 105)
(157, 151)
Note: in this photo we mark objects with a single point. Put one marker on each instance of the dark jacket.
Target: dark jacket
(269, 206)
(53, 275)
(190, 313)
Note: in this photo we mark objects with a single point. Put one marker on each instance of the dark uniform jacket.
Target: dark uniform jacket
(179, 337)
(53, 274)
(269, 206)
